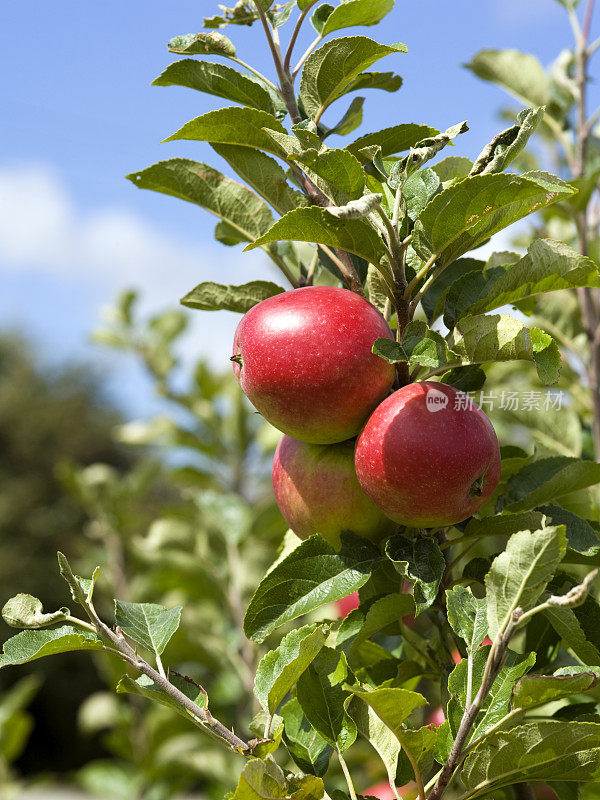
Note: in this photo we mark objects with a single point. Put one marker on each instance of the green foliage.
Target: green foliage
(32, 644)
(422, 562)
(321, 85)
(147, 624)
(520, 574)
(279, 669)
(214, 296)
(569, 752)
(310, 576)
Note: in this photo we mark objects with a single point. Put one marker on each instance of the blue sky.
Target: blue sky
(79, 113)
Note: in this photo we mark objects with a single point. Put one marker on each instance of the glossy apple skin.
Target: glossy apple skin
(425, 459)
(307, 364)
(317, 491)
(347, 604)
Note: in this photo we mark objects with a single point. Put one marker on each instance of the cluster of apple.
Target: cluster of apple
(353, 456)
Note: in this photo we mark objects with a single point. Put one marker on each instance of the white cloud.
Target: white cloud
(41, 228)
(42, 231)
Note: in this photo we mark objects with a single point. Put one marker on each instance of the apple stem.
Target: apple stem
(476, 489)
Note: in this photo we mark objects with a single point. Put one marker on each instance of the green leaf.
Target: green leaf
(82, 589)
(214, 296)
(537, 690)
(386, 610)
(341, 172)
(246, 13)
(317, 225)
(202, 44)
(434, 297)
(466, 379)
(206, 187)
(357, 12)
(263, 174)
(279, 669)
(452, 168)
(422, 152)
(310, 576)
(376, 732)
(221, 81)
(328, 71)
(241, 126)
(519, 575)
(260, 780)
(418, 191)
(548, 266)
(506, 524)
(566, 623)
(320, 16)
(467, 615)
(25, 611)
(581, 537)
(566, 751)
(351, 119)
(419, 346)
(475, 340)
(148, 624)
(486, 338)
(507, 145)
(393, 707)
(422, 562)
(309, 749)
(265, 747)
(520, 74)
(464, 215)
(31, 645)
(497, 701)
(145, 687)
(393, 140)
(321, 694)
(378, 290)
(386, 81)
(355, 208)
(545, 480)
(227, 235)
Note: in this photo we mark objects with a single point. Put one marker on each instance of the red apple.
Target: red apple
(317, 491)
(304, 360)
(436, 717)
(347, 604)
(383, 790)
(428, 456)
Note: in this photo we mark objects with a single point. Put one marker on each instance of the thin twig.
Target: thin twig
(255, 72)
(493, 666)
(121, 647)
(294, 36)
(346, 267)
(308, 51)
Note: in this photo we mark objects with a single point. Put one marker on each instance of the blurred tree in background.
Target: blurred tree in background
(48, 416)
(190, 521)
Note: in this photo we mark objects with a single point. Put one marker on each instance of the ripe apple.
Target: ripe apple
(317, 491)
(347, 604)
(436, 717)
(428, 456)
(383, 791)
(304, 360)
